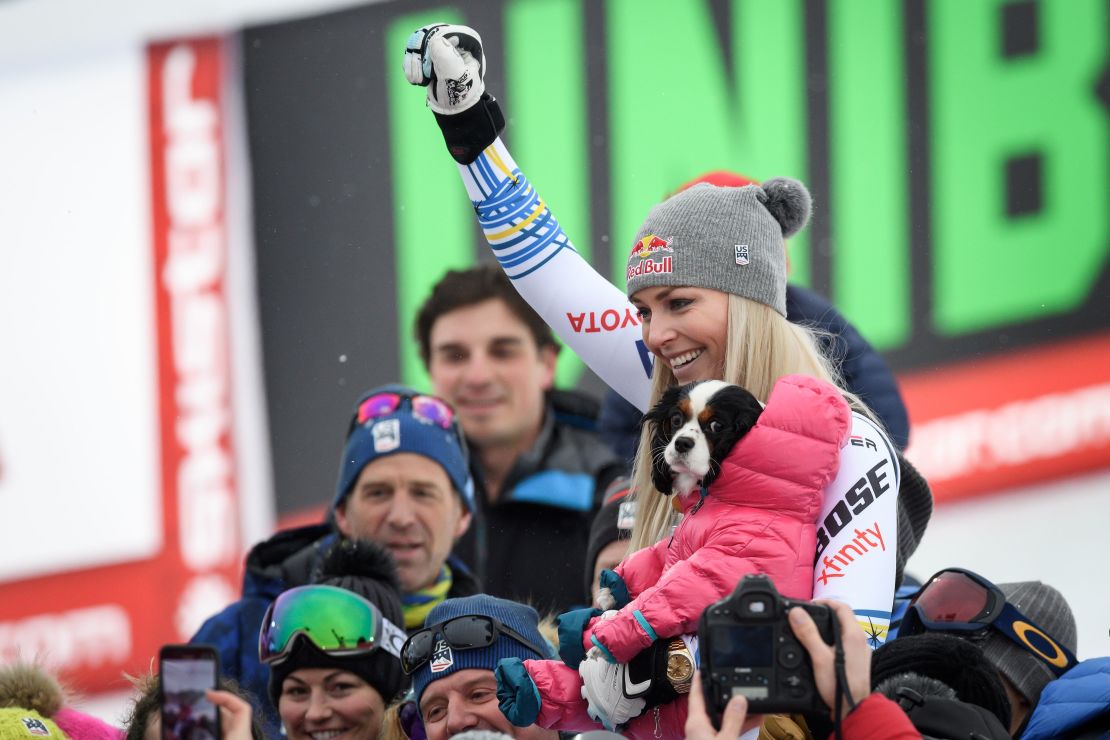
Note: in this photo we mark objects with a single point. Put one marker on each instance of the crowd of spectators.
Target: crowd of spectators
(486, 526)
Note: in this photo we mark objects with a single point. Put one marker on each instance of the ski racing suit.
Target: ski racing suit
(856, 531)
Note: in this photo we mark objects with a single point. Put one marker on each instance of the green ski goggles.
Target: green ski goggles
(337, 621)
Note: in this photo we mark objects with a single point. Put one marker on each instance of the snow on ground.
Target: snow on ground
(1056, 533)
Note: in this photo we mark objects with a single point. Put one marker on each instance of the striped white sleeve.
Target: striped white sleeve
(586, 311)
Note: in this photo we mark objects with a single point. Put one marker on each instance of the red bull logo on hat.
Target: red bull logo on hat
(650, 267)
(649, 245)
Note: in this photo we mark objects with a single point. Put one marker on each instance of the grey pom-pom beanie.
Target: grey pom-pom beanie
(725, 238)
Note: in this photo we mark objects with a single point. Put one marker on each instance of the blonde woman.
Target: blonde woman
(706, 282)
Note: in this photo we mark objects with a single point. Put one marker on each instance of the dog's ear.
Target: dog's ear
(656, 420)
(738, 410)
(661, 475)
(745, 409)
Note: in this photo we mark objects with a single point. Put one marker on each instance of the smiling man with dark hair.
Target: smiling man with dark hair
(539, 466)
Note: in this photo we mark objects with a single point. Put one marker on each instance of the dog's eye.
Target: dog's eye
(677, 420)
(714, 426)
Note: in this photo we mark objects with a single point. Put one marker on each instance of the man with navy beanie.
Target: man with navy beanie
(404, 484)
(453, 684)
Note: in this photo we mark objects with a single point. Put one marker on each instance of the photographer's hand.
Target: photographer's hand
(857, 655)
(235, 715)
(698, 724)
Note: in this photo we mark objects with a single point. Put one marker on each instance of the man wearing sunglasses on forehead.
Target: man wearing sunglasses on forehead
(1027, 632)
(452, 662)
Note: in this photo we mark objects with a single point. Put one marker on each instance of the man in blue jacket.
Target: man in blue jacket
(403, 484)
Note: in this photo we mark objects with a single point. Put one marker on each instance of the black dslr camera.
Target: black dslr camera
(748, 649)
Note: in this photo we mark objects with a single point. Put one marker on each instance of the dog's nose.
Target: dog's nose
(683, 444)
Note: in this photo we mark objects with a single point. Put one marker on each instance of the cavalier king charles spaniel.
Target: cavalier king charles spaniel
(694, 427)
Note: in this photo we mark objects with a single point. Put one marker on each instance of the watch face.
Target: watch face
(679, 668)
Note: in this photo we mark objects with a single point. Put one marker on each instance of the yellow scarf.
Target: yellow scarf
(418, 604)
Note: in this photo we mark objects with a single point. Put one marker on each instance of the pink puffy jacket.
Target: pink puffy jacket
(759, 517)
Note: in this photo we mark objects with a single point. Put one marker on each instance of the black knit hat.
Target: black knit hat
(955, 662)
(915, 508)
(364, 568)
(607, 525)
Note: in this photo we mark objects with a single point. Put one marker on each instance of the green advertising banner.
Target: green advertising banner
(958, 154)
(1006, 116)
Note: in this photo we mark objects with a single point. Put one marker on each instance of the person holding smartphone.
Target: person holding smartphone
(237, 717)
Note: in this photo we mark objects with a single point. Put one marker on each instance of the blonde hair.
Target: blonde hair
(761, 347)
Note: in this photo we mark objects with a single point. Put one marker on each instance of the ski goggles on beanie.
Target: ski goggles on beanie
(336, 621)
(427, 408)
(467, 632)
(957, 600)
(396, 419)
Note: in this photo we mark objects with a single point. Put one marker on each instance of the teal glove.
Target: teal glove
(517, 695)
(571, 626)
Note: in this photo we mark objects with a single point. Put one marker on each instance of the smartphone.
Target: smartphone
(187, 671)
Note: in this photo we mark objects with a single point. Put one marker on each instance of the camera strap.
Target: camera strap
(843, 691)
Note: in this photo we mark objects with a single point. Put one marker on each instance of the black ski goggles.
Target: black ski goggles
(461, 633)
(957, 600)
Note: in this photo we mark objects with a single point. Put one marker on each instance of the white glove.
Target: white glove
(603, 690)
(605, 598)
(449, 61)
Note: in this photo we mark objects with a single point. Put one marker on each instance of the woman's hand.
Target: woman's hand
(857, 654)
(698, 724)
(449, 61)
(235, 715)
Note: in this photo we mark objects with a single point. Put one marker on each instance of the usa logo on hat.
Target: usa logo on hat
(741, 254)
(387, 435)
(35, 727)
(442, 657)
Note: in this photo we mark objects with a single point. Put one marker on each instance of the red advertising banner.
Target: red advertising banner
(95, 624)
(1012, 419)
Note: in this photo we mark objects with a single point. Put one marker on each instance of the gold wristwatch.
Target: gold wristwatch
(680, 665)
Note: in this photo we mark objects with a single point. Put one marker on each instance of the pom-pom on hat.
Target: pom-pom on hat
(724, 238)
(30, 686)
(403, 431)
(364, 568)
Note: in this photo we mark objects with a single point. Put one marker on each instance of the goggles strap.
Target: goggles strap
(393, 638)
(1028, 635)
